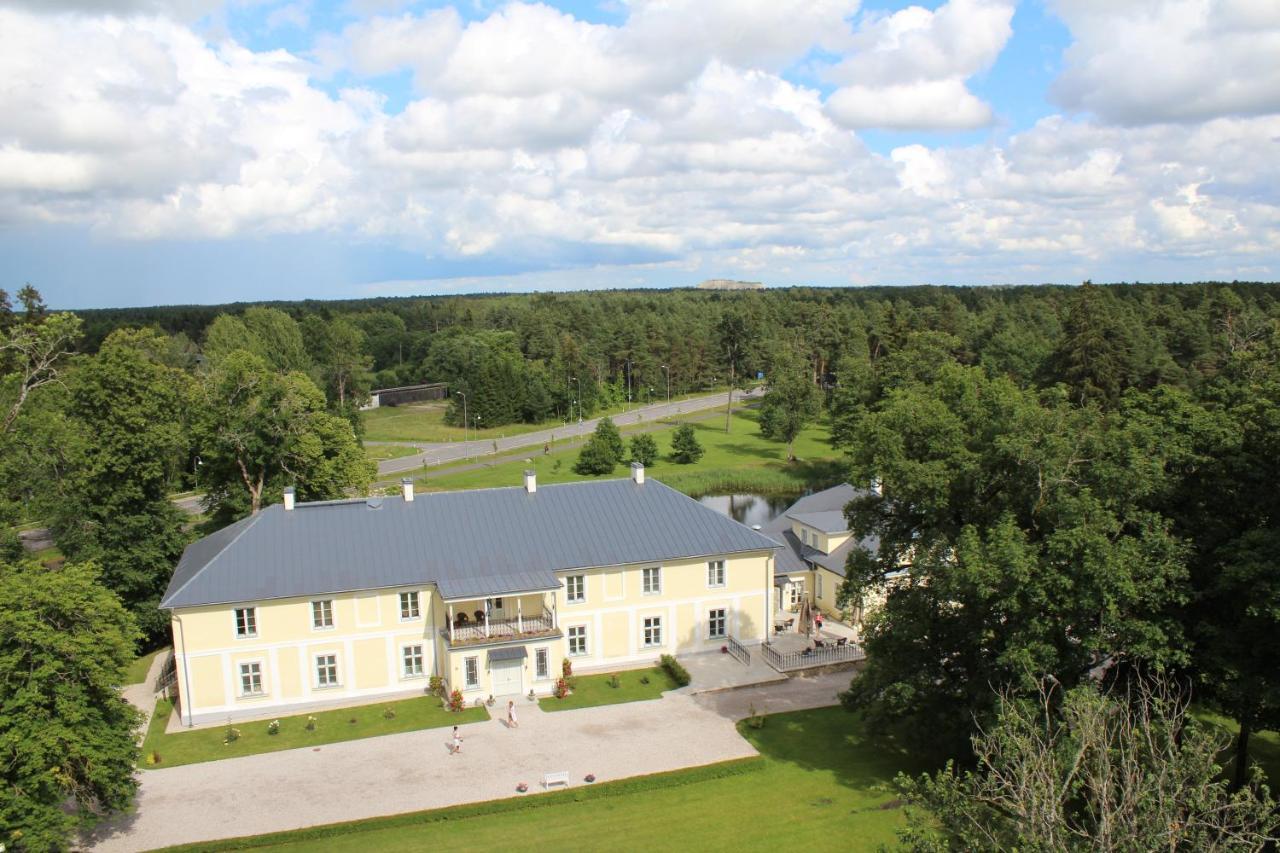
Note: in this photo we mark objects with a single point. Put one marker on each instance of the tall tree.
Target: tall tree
(67, 737)
(733, 334)
(337, 348)
(260, 431)
(32, 354)
(791, 403)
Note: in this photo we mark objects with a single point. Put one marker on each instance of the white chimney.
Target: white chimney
(288, 499)
(406, 488)
(530, 481)
(637, 473)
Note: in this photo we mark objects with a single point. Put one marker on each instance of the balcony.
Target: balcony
(500, 630)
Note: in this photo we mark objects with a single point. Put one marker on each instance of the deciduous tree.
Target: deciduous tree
(792, 401)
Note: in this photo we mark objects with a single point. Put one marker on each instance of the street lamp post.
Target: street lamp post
(464, 415)
(579, 381)
(668, 370)
(195, 469)
(628, 385)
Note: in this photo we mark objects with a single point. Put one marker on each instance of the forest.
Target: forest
(1077, 481)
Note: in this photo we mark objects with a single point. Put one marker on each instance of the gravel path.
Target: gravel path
(412, 771)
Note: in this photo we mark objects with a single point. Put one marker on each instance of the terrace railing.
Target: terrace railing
(808, 658)
(499, 629)
(738, 650)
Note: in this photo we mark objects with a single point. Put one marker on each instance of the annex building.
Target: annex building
(311, 604)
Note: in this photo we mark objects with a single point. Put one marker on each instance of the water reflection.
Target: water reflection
(749, 509)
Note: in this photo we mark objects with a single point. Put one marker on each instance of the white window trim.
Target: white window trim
(315, 671)
(262, 679)
(586, 641)
(724, 574)
(547, 653)
(724, 623)
(235, 623)
(657, 591)
(465, 685)
(400, 605)
(644, 644)
(422, 653)
(333, 615)
(574, 601)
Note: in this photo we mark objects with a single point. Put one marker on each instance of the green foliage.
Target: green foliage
(603, 451)
(644, 449)
(337, 349)
(636, 685)
(677, 671)
(791, 403)
(685, 448)
(66, 735)
(607, 433)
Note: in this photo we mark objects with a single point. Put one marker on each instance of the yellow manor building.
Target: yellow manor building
(307, 605)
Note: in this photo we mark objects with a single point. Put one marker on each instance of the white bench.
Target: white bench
(560, 778)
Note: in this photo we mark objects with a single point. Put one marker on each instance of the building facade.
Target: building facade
(306, 605)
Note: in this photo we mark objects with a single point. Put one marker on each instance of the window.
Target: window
(716, 624)
(322, 613)
(543, 667)
(409, 606)
(413, 661)
(250, 679)
(652, 581)
(653, 631)
(578, 640)
(576, 588)
(246, 622)
(715, 573)
(495, 603)
(326, 670)
(471, 671)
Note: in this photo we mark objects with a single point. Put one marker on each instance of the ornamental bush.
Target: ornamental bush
(685, 448)
(456, 702)
(677, 672)
(644, 449)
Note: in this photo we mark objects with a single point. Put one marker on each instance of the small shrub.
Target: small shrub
(352, 721)
(273, 727)
(153, 758)
(561, 689)
(522, 787)
(311, 724)
(231, 735)
(644, 679)
(615, 682)
(435, 686)
(456, 702)
(677, 672)
(389, 713)
(590, 777)
(566, 668)
(557, 465)
(754, 720)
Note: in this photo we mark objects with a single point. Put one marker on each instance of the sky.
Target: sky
(209, 151)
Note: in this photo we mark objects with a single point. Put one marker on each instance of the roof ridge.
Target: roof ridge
(252, 519)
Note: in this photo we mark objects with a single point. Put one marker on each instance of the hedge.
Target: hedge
(677, 672)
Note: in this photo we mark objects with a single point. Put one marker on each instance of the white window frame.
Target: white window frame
(586, 650)
(315, 624)
(582, 589)
(337, 675)
(645, 574)
(405, 651)
(262, 679)
(723, 619)
(712, 571)
(542, 664)
(651, 632)
(471, 672)
(415, 611)
(251, 618)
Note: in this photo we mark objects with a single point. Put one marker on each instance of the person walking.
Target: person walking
(455, 746)
(512, 722)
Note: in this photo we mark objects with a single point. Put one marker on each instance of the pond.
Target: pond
(750, 509)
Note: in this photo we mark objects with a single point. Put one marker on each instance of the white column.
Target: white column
(486, 617)
(519, 617)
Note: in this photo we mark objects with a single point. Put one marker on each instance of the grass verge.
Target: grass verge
(332, 726)
(383, 452)
(1264, 747)
(822, 775)
(137, 671)
(635, 685)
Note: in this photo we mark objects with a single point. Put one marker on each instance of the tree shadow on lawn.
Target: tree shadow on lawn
(837, 741)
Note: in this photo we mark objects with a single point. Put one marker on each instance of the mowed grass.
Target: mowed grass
(740, 459)
(425, 422)
(634, 685)
(192, 747)
(1264, 747)
(137, 671)
(383, 452)
(824, 782)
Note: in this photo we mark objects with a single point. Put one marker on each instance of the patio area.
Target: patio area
(790, 649)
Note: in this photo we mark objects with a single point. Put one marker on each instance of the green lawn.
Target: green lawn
(382, 452)
(425, 422)
(589, 690)
(740, 460)
(192, 747)
(1264, 747)
(137, 671)
(823, 783)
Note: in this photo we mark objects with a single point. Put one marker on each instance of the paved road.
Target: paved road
(440, 454)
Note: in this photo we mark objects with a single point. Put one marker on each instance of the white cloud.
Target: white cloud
(1171, 60)
(909, 70)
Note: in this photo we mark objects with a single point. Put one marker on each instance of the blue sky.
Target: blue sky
(209, 151)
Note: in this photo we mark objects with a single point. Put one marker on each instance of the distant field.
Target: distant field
(382, 452)
(739, 460)
(425, 422)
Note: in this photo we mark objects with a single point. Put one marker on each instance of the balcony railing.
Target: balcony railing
(497, 630)
(806, 658)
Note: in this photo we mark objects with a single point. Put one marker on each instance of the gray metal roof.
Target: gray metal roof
(820, 506)
(827, 521)
(509, 653)
(470, 544)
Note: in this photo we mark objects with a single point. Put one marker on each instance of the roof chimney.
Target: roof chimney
(530, 481)
(288, 499)
(406, 488)
(637, 473)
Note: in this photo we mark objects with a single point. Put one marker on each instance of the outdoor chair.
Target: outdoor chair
(819, 644)
(479, 616)
(461, 620)
(790, 622)
(842, 641)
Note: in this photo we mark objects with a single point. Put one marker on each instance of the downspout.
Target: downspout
(186, 677)
(435, 638)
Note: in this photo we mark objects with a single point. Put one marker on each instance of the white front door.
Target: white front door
(507, 677)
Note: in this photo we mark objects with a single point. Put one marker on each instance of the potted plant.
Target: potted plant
(522, 788)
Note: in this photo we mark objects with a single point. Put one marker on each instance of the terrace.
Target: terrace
(498, 620)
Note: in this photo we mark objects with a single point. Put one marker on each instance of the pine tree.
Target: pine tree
(685, 448)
